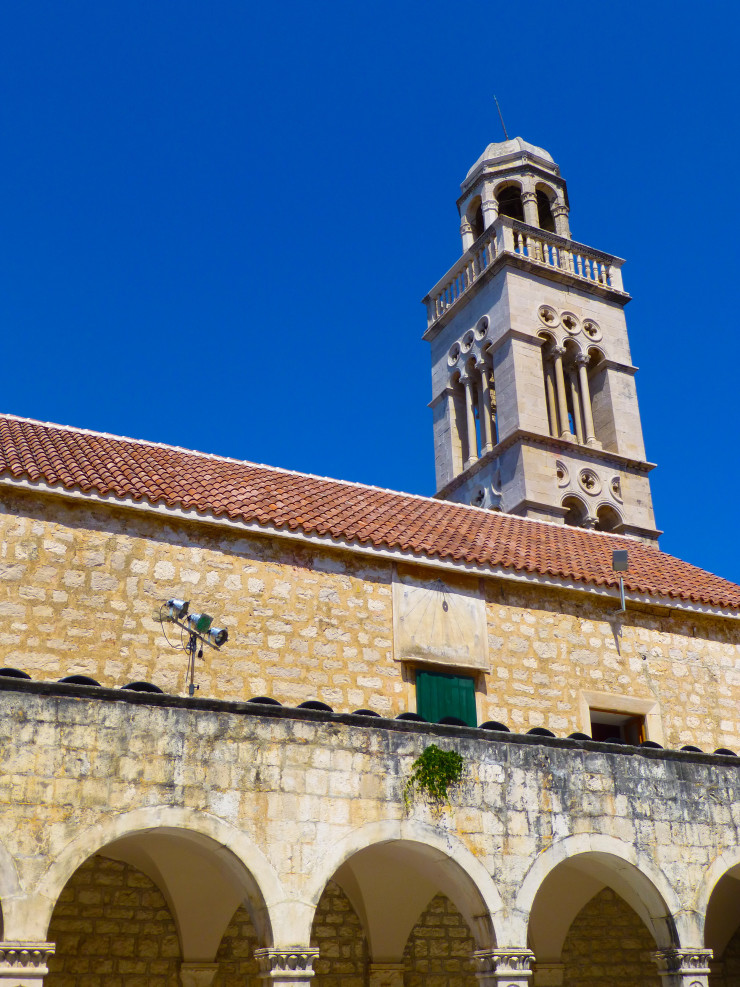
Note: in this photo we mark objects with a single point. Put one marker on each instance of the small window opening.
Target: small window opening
(476, 222)
(576, 512)
(439, 694)
(544, 212)
(608, 519)
(607, 724)
(510, 203)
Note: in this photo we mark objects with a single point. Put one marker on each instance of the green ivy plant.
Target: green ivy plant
(432, 773)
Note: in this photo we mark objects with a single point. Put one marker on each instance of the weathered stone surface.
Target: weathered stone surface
(523, 806)
(310, 623)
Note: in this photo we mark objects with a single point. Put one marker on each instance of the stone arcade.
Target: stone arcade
(259, 832)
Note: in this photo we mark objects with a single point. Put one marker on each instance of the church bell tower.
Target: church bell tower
(534, 400)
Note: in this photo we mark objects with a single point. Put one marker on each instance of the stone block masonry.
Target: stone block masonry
(80, 589)
(79, 776)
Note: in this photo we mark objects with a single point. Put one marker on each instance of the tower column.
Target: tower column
(576, 399)
(552, 408)
(560, 215)
(488, 206)
(466, 232)
(558, 353)
(531, 213)
(472, 456)
(588, 418)
(486, 408)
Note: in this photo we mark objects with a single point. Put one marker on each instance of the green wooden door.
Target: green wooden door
(438, 695)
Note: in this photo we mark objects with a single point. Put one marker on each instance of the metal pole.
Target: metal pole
(622, 601)
(503, 125)
(192, 645)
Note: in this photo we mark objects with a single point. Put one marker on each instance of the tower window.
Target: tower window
(476, 221)
(544, 212)
(439, 694)
(510, 203)
(607, 518)
(576, 512)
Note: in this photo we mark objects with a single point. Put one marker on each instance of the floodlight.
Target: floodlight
(620, 564)
(198, 630)
(200, 622)
(178, 608)
(217, 636)
(620, 561)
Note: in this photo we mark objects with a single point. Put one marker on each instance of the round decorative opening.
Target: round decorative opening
(468, 340)
(481, 327)
(615, 485)
(592, 330)
(548, 316)
(590, 482)
(570, 322)
(561, 472)
(454, 355)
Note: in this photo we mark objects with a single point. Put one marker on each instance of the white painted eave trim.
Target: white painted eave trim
(390, 554)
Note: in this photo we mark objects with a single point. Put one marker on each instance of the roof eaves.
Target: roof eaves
(527, 575)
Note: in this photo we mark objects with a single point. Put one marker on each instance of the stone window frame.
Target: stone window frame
(615, 702)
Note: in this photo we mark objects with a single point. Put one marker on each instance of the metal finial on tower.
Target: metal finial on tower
(506, 136)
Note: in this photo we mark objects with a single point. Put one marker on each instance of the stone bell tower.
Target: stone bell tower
(534, 400)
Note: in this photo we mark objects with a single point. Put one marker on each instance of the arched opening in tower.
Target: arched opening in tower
(607, 518)
(475, 217)
(510, 203)
(576, 512)
(544, 212)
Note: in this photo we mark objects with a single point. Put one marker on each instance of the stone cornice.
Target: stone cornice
(525, 437)
(514, 170)
(64, 690)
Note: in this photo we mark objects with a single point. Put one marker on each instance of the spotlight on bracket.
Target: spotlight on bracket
(199, 630)
(217, 636)
(200, 622)
(620, 564)
(177, 609)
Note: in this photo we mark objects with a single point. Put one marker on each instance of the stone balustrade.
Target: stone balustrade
(511, 237)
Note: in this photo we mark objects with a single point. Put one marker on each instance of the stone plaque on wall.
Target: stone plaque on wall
(436, 621)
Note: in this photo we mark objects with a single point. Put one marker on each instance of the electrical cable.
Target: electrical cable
(164, 632)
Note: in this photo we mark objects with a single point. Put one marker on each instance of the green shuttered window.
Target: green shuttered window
(438, 695)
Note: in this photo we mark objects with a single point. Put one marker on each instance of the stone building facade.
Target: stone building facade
(263, 828)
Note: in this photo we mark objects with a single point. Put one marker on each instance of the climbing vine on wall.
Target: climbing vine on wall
(432, 773)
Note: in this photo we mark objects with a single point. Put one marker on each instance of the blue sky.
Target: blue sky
(217, 220)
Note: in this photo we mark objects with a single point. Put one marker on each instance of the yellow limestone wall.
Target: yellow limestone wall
(608, 944)
(81, 583)
(439, 950)
(112, 928)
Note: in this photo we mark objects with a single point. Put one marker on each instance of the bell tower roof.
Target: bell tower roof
(506, 154)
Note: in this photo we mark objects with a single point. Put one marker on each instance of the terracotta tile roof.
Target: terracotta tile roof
(104, 464)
